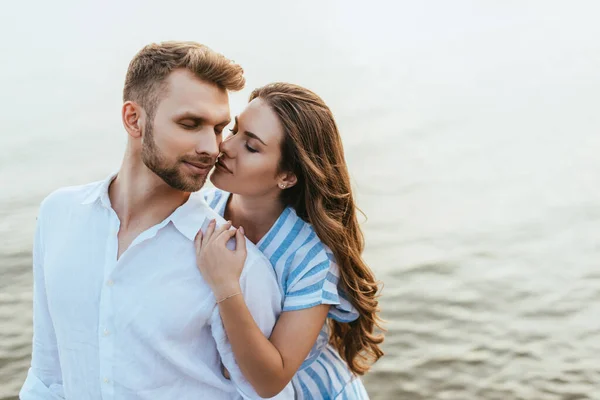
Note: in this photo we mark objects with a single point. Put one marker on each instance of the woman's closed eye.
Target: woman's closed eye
(248, 147)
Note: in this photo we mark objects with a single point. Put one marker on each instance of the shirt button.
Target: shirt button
(110, 282)
(106, 380)
(106, 332)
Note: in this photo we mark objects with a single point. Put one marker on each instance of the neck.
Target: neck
(256, 214)
(140, 198)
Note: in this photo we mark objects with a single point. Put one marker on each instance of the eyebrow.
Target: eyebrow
(250, 134)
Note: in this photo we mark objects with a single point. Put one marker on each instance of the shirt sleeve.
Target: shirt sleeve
(263, 299)
(44, 378)
(314, 280)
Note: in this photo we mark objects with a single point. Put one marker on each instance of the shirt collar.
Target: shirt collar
(192, 216)
(188, 218)
(100, 191)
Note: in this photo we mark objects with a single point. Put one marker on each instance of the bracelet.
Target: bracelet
(228, 297)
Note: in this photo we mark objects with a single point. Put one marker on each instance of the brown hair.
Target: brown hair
(312, 149)
(152, 65)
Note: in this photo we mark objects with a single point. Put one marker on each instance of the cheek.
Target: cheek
(254, 174)
(171, 141)
(259, 169)
(161, 136)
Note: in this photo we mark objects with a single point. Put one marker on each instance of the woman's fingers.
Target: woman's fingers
(219, 231)
(240, 240)
(198, 241)
(226, 235)
(209, 231)
(223, 227)
(213, 232)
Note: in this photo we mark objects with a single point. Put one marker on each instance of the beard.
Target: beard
(172, 174)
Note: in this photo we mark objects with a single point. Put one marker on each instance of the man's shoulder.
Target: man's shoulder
(257, 264)
(258, 270)
(69, 196)
(255, 255)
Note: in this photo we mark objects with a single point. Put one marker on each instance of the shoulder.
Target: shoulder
(308, 244)
(68, 196)
(259, 277)
(311, 259)
(291, 239)
(299, 251)
(256, 261)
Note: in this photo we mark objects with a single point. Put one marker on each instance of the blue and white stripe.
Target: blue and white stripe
(308, 276)
(328, 378)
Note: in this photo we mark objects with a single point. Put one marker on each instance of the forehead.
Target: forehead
(184, 92)
(259, 118)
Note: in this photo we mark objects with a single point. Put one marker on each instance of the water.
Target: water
(471, 132)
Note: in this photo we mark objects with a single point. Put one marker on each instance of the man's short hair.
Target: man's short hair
(147, 72)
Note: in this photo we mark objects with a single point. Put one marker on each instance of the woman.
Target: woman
(283, 181)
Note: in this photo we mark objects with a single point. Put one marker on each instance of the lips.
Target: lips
(199, 167)
(222, 165)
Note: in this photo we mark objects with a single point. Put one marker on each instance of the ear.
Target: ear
(133, 118)
(287, 180)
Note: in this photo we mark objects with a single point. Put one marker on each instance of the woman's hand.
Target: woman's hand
(221, 267)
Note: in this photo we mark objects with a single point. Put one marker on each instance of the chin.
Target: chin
(194, 183)
(218, 179)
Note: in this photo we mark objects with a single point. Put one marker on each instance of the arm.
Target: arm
(268, 364)
(44, 378)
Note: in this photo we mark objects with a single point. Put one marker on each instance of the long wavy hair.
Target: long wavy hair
(312, 149)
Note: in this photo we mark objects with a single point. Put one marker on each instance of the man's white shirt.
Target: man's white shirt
(145, 326)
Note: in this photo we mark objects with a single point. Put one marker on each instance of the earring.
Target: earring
(282, 185)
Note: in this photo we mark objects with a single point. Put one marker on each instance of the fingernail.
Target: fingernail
(241, 230)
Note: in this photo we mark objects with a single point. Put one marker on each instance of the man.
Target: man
(120, 309)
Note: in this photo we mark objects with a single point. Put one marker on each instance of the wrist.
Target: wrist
(225, 290)
(231, 296)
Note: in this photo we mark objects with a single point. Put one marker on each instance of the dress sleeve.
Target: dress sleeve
(314, 280)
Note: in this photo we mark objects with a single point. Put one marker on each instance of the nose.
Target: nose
(226, 147)
(208, 144)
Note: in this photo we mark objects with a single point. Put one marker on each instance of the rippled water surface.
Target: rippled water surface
(471, 132)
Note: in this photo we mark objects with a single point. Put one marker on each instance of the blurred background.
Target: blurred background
(471, 131)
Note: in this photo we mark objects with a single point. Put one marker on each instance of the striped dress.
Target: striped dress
(308, 276)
